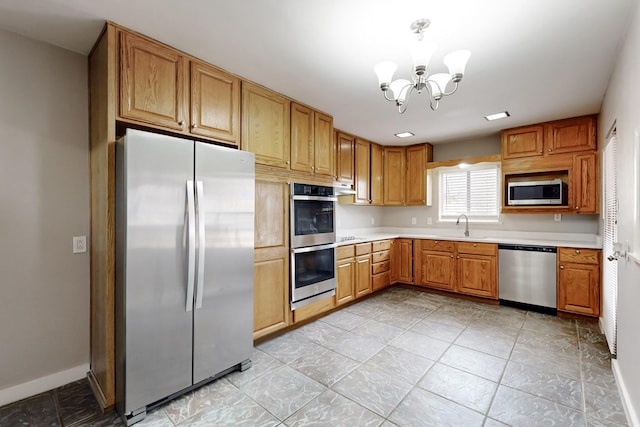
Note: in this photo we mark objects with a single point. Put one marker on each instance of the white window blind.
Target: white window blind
(610, 227)
(473, 191)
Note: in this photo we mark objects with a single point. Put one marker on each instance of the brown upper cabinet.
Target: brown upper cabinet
(362, 172)
(564, 149)
(159, 86)
(395, 172)
(153, 83)
(377, 176)
(215, 103)
(416, 186)
(266, 125)
(558, 137)
(405, 174)
(522, 142)
(345, 158)
(311, 141)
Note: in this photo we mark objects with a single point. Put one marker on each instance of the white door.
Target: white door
(610, 231)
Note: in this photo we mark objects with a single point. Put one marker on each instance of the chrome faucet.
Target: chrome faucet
(466, 228)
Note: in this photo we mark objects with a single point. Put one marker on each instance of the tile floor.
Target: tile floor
(401, 357)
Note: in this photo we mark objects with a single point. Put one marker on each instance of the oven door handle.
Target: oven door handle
(315, 198)
(313, 248)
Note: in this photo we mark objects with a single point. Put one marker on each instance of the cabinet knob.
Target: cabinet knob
(181, 122)
(287, 162)
(577, 251)
(577, 208)
(435, 243)
(562, 267)
(540, 151)
(475, 245)
(549, 150)
(458, 257)
(311, 167)
(194, 125)
(451, 256)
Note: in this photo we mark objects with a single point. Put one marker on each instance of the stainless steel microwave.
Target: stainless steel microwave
(537, 193)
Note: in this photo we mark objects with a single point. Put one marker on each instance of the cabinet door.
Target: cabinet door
(265, 125)
(376, 182)
(362, 175)
(271, 294)
(394, 255)
(302, 138)
(345, 277)
(394, 176)
(324, 145)
(476, 275)
(215, 103)
(585, 183)
(363, 275)
(570, 135)
(153, 82)
(344, 144)
(271, 214)
(416, 193)
(271, 272)
(522, 142)
(437, 270)
(405, 266)
(579, 288)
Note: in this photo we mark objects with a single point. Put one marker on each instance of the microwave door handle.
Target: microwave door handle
(191, 244)
(201, 243)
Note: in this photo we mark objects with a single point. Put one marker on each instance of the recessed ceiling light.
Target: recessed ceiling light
(403, 134)
(497, 116)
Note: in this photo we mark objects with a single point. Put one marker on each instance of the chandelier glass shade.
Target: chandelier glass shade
(437, 85)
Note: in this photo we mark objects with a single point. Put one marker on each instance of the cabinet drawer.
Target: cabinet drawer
(347, 251)
(478, 248)
(314, 309)
(381, 280)
(381, 245)
(363, 248)
(380, 267)
(380, 256)
(438, 245)
(583, 256)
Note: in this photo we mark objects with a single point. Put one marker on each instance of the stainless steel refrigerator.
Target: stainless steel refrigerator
(184, 267)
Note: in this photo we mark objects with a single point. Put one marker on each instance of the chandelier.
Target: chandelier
(436, 85)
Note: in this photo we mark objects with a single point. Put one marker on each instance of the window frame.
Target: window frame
(490, 219)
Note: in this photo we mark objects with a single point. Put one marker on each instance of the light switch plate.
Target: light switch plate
(79, 244)
(557, 217)
(413, 220)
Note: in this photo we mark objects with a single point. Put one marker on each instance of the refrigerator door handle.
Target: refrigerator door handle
(201, 242)
(191, 244)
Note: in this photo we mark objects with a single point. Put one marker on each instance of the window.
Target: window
(474, 191)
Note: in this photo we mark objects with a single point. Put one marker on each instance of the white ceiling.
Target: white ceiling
(539, 59)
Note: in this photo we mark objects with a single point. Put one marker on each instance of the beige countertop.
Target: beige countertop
(573, 240)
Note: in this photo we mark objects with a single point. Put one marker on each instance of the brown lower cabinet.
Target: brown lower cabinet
(462, 267)
(579, 281)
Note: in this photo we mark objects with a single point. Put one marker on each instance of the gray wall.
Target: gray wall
(622, 107)
(389, 216)
(44, 201)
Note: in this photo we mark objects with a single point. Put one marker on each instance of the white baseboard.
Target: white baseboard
(632, 415)
(40, 385)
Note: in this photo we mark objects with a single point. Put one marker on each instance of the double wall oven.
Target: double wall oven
(313, 243)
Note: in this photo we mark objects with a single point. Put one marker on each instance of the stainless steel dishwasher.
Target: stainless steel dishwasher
(527, 276)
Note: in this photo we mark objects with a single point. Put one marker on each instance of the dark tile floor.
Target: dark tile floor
(399, 358)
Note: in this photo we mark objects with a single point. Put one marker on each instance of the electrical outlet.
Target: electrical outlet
(79, 244)
(413, 220)
(429, 220)
(557, 217)
(372, 221)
